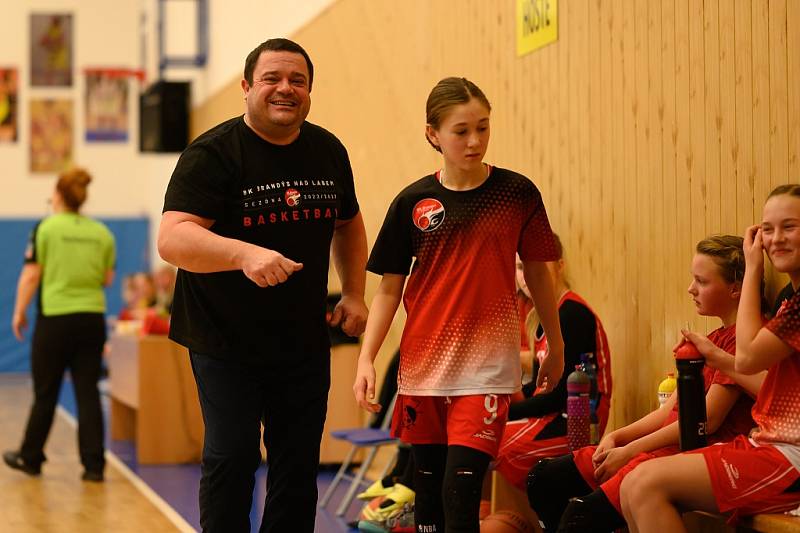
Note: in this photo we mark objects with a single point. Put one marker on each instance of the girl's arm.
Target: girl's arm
(537, 277)
(384, 306)
(718, 358)
(644, 426)
(757, 348)
(720, 399)
(26, 287)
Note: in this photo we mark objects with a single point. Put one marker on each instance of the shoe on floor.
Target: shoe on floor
(14, 460)
(91, 475)
(375, 490)
(394, 502)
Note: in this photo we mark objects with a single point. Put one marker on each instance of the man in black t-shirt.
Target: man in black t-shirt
(255, 208)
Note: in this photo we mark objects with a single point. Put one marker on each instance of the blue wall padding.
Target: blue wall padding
(132, 236)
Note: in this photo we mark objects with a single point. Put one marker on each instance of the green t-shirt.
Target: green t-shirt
(75, 252)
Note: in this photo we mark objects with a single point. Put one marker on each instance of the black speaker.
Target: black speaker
(164, 117)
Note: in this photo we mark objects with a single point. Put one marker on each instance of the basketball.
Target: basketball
(506, 522)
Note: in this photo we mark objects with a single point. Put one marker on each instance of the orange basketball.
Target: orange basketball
(506, 522)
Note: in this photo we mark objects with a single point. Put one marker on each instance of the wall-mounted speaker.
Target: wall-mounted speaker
(164, 117)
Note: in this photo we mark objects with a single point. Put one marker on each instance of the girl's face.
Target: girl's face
(463, 135)
(712, 295)
(523, 286)
(780, 231)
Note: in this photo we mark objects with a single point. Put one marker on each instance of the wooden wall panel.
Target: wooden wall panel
(647, 126)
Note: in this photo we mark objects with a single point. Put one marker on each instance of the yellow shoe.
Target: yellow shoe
(375, 490)
(394, 502)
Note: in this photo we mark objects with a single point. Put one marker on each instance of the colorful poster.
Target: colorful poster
(8, 104)
(107, 104)
(51, 50)
(51, 135)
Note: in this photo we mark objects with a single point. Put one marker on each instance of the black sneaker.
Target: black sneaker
(92, 475)
(15, 461)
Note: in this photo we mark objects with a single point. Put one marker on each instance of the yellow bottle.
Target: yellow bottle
(666, 388)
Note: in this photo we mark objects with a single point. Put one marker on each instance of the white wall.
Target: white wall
(110, 34)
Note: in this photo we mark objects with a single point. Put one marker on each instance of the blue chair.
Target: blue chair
(369, 439)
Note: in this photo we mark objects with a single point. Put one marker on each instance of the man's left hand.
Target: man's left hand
(351, 314)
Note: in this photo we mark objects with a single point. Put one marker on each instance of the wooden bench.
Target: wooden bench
(699, 522)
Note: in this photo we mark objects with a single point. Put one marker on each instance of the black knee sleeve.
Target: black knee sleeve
(429, 464)
(461, 490)
(592, 513)
(551, 483)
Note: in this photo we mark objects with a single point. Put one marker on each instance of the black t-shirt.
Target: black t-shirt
(285, 198)
(579, 331)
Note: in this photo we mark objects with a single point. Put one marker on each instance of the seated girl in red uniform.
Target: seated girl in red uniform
(537, 426)
(591, 477)
(759, 473)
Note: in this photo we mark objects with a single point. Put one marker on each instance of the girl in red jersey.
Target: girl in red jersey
(537, 426)
(459, 355)
(593, 474)
(749, 474)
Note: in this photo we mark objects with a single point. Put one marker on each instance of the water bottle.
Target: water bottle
(588, 366)
(666, 388)
(578, 417)
(691, 397)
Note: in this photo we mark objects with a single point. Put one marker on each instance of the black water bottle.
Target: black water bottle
(691, 397)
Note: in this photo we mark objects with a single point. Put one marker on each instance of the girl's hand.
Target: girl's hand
(364, 386)
(701, 342)
(612, 462)
(606, 444)
(753, 247)
(715, 357)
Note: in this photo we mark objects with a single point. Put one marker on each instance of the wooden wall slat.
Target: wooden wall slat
(647, 126)
(713, 120)
(745, 175)
(793, 75)
(727, 115)
(778, 88)
(761, 102)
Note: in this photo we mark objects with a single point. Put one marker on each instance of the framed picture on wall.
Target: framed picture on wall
(51, 135)
(8, 104)
(106, 105)
(51, 50)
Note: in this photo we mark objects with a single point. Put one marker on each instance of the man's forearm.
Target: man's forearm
(349, 249)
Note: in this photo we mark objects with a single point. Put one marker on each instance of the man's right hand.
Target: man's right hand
(267, 268)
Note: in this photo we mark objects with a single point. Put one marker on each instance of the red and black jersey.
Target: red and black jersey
(462, 332)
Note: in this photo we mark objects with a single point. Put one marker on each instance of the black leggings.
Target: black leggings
(71, 342)
(564, 501)
(448, 482)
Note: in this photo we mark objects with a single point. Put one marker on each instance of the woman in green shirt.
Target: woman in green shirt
(69, 259)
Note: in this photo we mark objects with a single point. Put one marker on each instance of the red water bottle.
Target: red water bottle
(691, 397)
(579, 385)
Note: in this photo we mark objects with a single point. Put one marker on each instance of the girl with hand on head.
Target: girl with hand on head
(754, 474)
(461, 226)
(592, 475)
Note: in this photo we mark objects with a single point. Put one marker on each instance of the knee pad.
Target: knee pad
(590, 514)
(538, 484)
(461, 493)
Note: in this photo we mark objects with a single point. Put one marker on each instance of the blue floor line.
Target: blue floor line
(178, 484)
